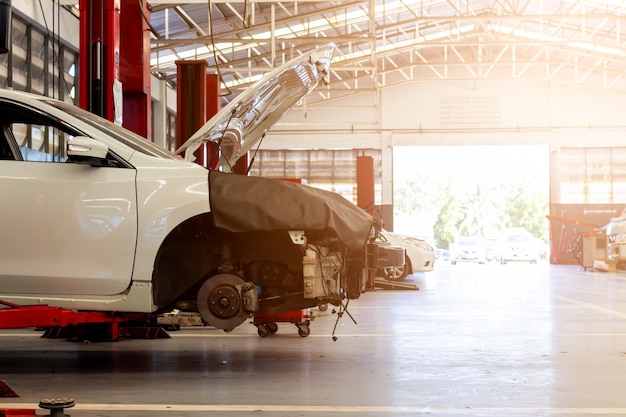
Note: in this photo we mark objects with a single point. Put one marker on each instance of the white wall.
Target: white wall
(530, 112)
(527, 112)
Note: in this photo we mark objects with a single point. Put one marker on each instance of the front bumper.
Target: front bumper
(384, 255)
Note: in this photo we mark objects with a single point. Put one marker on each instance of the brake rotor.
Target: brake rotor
(220, 302)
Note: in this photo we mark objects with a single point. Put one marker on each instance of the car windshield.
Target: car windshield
(468, 242)
(114, 130)
(518, 238)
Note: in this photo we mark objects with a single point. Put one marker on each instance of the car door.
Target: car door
(65, 228)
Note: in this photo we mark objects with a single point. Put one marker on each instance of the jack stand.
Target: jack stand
(57, 406)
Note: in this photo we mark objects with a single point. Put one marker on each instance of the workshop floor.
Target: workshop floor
(475, 340)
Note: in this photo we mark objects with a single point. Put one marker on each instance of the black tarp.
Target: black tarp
(241, 203)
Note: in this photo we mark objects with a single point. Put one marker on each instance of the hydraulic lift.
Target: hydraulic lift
(83, 325)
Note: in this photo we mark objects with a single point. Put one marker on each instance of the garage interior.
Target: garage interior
(473, 340)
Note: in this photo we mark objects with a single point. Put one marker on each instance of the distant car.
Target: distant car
(492, 250)
(519, 246)
(420, 256)
(616, 238)
(468, 249)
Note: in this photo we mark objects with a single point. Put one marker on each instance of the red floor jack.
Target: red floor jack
(266, 323)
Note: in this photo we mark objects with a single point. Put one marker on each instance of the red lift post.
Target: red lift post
(191, 103)
(99, 57)
(114, 62)
(365, 198)
(213, 105)
(135, 67)
(193, 109)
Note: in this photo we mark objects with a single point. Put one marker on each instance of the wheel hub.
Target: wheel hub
(220, 302)
(226, 300)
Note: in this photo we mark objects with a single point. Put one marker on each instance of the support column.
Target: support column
(213, 105)
(365, 200)
(365, 183)
(135, 67)
(386, 207)
(100, 90)
(190, 102)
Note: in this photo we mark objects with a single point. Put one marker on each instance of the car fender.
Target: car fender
(164, 202)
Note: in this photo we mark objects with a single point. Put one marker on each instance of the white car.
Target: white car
(615, 232)
(420, 256)
(96, 218)
(519, 245)
(468, 249)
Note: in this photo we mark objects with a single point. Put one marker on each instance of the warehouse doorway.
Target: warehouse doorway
(441, 192)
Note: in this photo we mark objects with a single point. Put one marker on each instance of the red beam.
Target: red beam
(190, 102)
(365, 183)
(135, 67)
(18, 317)
(99, 55)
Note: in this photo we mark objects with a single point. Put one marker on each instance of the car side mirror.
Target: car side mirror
(82, 149)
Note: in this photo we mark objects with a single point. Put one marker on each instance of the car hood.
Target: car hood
(241, 124)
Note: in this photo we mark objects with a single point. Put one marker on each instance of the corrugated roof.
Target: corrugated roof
(391, 42)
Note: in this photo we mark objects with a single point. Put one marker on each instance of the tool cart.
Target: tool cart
(266, 323)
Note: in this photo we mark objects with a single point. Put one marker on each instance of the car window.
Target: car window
(40, 143)
(114, 130)
(31, 135)
(467, 241)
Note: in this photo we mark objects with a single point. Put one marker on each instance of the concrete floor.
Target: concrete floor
(475, 340)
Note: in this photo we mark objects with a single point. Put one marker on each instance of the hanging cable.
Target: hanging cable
(68, 88)
(145, 19)
(255, 152)
(214, 50)
(220, 140)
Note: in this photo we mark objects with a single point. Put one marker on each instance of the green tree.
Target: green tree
(481, 212)
(414, 194)
(485, 210)
(445, 227)
(527, 208)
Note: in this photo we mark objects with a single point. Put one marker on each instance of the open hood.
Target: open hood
(240, 125)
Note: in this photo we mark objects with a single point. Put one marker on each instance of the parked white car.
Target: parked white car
(468, 249)
(616, 238)
(420, 256)
(518, 245)
(97, 218)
